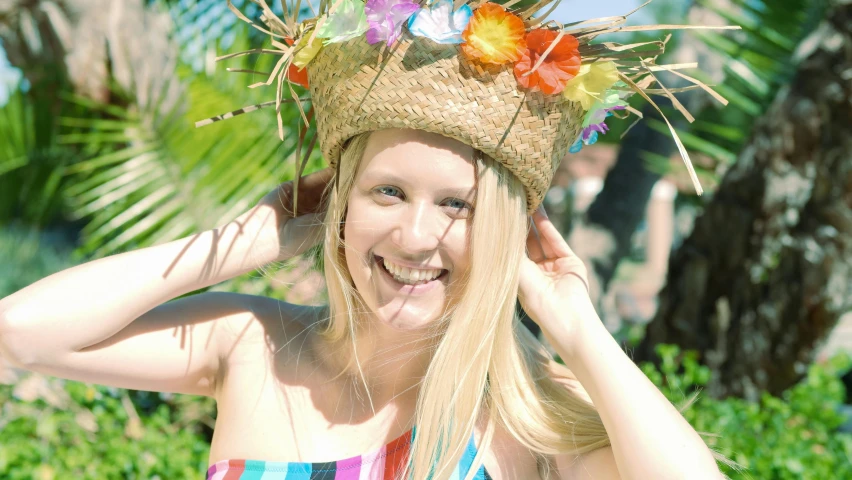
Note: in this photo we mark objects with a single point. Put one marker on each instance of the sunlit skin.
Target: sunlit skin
(412, 203)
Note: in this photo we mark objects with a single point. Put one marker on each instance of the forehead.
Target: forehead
(420, 157)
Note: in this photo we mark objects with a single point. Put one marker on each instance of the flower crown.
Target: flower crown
(549, 57)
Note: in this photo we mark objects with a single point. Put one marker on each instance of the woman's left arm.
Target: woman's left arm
(649, 438)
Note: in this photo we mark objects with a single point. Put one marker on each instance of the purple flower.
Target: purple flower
(595, 125)
(386, 18)
(597, 122)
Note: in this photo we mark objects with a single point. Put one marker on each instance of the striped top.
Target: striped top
(383, 464)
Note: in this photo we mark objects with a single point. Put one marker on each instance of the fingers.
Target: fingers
(311, 192)
(301, 233)
(320, 177)
(535, 249)
(553, 244)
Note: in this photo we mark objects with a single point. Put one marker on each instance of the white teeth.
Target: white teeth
(410, 275)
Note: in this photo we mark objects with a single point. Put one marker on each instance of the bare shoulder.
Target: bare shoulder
(267, 318)
(270, 327)
(506, 458)
(595, 465)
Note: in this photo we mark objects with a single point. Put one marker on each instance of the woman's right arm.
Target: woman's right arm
(106, 321)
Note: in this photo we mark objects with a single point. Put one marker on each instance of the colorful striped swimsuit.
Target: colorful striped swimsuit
(383, 464)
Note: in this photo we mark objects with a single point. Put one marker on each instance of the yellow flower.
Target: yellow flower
(304, 56)
(590, 83)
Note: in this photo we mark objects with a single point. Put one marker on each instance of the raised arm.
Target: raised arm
(107, 322)
(649, 438)
(103, 322)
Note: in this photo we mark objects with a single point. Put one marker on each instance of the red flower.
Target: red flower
(560, 65)
(295, 74)
(298, 75)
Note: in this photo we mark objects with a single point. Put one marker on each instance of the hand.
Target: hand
(299, 231)
(554, 282)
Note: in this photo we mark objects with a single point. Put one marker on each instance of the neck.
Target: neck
(385, 365)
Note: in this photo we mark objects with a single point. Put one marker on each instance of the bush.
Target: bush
(792, 437)
(75, 430)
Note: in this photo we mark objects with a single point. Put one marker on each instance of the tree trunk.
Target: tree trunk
(765, 275)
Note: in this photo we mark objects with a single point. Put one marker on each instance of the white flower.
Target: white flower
(439, 23)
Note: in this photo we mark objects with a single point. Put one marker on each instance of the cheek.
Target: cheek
(460, 250)
(361, 235)
(361, 232)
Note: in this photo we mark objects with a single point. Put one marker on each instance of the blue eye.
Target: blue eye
(458, 204)
(393, 189)
(455, 204)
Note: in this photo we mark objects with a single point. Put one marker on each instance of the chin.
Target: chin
(398, 316)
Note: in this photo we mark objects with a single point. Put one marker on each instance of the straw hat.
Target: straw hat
(519, 89)
(427, 86)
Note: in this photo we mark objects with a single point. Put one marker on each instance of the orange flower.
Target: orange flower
(494, 35)
(560, 65)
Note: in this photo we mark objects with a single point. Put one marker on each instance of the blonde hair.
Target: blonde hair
(521, 388)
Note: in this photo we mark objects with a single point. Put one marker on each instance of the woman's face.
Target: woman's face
(407, 225)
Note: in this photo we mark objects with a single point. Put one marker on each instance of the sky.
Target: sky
(576, 10)
(8, 76)
(567, 11)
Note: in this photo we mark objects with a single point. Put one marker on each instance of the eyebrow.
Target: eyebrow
(391, 178)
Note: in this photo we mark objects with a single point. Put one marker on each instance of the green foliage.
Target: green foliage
(31, 166)
(756, 61)
(93, 432)
(792, 437)
(135, 171)
(28, 255)
(153, 177)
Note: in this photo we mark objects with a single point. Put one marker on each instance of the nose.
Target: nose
(419, 229)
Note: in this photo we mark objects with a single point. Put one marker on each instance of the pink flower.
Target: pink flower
(386, 18)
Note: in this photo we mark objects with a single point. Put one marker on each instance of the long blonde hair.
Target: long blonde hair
(485, 361)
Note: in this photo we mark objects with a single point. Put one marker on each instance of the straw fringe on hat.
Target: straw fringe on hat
(487, 98)
(427, 86)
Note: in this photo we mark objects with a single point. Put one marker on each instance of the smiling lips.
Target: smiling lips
(409, 276)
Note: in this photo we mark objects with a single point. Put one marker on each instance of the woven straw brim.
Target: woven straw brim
(419, 84)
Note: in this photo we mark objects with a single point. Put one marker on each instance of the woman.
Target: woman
(288, 384)
(418, 366)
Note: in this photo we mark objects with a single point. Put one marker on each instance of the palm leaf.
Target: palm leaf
(756, 62)
(155, 177)
(16, 121)
(31, 194)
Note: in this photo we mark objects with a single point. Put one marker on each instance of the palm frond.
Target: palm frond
(30, 164)
(757, 61)
(16, 122)
(156, 178)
